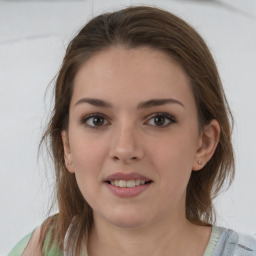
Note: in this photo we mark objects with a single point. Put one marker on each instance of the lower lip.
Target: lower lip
(127, 192)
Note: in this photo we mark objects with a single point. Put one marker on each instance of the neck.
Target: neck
(163, 237)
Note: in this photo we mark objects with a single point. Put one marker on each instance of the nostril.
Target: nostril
(116, 158)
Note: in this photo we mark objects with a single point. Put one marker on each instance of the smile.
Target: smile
(127, 183)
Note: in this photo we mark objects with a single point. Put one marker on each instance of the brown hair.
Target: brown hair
(134, 27)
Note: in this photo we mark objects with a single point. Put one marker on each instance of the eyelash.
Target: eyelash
(88, 117)
(167, 116)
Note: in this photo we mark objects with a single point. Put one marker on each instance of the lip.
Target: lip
(126, 176)
(127, 192)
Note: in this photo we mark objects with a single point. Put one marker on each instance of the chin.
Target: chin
(128, 218)
(129, 223)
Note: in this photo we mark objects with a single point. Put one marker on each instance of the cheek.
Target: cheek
(176, 150)
(88, 160)
(173, 159)
(88, 155)
(86, 150)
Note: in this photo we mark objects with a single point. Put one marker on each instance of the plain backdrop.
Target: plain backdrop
(33, 38)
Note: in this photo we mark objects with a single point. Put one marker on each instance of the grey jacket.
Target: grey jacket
(230, 243)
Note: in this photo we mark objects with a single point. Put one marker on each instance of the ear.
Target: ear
(207, 144)
(67, 153)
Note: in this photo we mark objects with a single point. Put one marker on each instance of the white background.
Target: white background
(33, 37)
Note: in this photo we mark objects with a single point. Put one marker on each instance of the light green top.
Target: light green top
(22, 244)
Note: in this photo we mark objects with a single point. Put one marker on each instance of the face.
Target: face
(133, 120)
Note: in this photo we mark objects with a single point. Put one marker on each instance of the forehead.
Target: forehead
(137, 74)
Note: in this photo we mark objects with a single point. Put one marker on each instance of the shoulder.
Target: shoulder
(246, 243)
(231, 242)
(29, 245)
(25, 243)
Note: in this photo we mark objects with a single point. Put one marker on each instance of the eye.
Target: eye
(94, 120)
(161, 120)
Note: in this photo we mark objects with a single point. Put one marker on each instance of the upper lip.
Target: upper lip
(126, 176)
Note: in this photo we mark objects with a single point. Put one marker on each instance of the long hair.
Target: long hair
(134, 27)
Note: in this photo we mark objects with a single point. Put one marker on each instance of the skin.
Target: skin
(131, 140)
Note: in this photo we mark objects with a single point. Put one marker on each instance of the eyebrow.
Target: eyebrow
(95, 102)
(157, 102)
(142, 105)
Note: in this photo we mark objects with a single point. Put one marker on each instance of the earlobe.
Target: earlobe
(67, 153)
(209, 140)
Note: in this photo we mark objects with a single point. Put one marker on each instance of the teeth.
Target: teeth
(137, 182)
(127, 183)
(122, 183)
(130, 183)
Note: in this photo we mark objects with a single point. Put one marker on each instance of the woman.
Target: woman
(141, 140)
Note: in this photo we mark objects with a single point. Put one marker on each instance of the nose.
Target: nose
(126, 145)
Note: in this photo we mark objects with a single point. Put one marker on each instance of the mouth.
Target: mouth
(128, 183)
